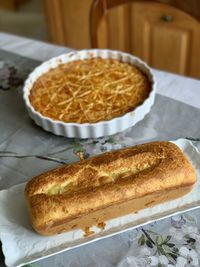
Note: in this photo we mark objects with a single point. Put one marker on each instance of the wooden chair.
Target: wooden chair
(177, 41)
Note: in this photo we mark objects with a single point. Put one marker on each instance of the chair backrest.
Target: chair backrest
(164, 33)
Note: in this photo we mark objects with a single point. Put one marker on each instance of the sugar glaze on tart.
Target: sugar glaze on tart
(89, 91)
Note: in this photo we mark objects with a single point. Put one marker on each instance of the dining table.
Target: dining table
(26, 150)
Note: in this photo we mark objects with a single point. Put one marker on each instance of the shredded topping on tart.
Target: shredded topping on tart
(90, 90)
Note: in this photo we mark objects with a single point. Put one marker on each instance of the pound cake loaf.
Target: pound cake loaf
(106, 186)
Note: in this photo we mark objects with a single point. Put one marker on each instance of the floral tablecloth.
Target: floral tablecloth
(26, 150)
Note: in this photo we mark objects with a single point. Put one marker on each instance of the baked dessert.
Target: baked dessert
(89, 90)
(106, 186)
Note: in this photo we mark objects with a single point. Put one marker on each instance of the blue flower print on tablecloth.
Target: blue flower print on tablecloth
(98, 146)
(178, 245)
(10, 76)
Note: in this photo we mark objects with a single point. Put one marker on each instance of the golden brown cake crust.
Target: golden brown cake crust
(90, 90)
(142, 173)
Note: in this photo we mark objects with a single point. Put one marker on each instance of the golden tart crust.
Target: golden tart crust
(90, 90)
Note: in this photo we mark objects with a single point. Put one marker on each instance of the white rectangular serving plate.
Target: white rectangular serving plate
(21, 245)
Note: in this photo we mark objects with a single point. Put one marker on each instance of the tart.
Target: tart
(89, 93)
(89, 90)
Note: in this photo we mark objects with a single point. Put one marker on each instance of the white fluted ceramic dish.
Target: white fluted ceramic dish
(89, 130)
